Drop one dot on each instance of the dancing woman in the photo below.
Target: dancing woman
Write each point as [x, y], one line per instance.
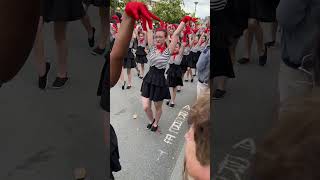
[141, 53]
[174, 77]
[154, 88]
[128, 63]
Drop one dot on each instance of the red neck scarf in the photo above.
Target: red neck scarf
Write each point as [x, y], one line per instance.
[161, 47]
[115, 28]
[174, 55]
[195, 43]
[141, 41]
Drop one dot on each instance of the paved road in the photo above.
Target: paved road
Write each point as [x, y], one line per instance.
[144, 154]
[44, 135]
[245, 115]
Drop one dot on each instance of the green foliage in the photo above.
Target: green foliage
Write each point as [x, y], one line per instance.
[169, 10]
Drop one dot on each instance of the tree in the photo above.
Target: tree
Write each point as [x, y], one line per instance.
[169, 11]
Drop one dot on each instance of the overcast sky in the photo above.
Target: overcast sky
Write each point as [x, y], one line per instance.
[203, 7]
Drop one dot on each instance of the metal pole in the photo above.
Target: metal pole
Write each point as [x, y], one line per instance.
[195, 7]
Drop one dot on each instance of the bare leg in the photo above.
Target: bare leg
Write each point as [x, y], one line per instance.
[85, 20]
[62, 49]
[221, 82]
[174, 93]
[146, 103]
[103, 31]
[129, 76]
[158, 107]
[232, 50]
[249, 37]
[190, 74]
[122, 76]
[274, 31]
[142, 70]
[259, 38]
[39, 50]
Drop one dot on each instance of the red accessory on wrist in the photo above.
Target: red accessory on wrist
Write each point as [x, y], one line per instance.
[186, 19]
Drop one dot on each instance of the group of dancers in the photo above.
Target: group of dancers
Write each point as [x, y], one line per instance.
[170, 49]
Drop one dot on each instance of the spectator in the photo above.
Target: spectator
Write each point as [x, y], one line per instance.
[292, 149]
[197, 150]
[297, 20]
[203, 68]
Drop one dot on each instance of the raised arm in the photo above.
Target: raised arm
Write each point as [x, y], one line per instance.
[176, 34]
[133, 11]
[149, 35]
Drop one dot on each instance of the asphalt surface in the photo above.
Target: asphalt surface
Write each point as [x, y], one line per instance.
[145, 154]
[44, 135]
[245, 115]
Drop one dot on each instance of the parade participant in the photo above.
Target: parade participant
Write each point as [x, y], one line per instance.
[222, 64]
[128, 63]
[141, 53]
[174, 73]
[186, 56]
[193, 56]
[102, 4]
[258, 13]
[60, 12]
[154, 86]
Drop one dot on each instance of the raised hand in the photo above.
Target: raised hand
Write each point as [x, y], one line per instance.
[186, 19]
[138, 10]
[116, 18]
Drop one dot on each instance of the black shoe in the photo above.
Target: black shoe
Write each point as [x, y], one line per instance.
[186, 80]
[179, 90]
[124, 83]
[98, 51]
[171, 105]
[168, 102]
[91, 40]
[154, 129]
[263, 58]
[59, 82]
[42, 83]
[128, 87]
[218, 94]
[243, 60]
[150, 125]
[192, 80]
[140, 77]
[270, 44]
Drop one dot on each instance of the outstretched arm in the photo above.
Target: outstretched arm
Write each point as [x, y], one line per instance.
[120, 48]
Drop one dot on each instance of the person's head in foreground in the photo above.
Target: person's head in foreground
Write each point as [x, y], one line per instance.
[292, 149]
[197, 150]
